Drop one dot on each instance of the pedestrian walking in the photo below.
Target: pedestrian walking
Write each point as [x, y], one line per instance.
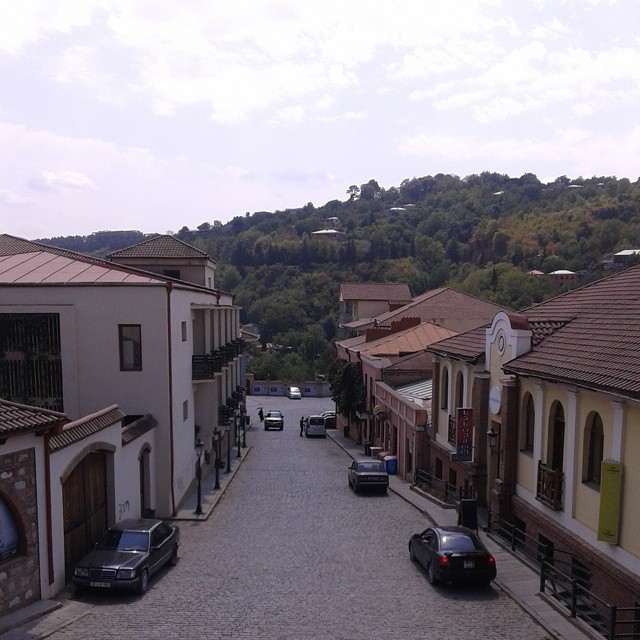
[260, 414]
[301, 425]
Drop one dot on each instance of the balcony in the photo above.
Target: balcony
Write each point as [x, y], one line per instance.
[205, 367]
[549, 489]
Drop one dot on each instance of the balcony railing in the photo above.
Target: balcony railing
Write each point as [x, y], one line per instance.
[452, 433]
[549, 489]
[206, 366]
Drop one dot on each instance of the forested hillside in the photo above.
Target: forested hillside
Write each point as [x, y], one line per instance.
[480, 234]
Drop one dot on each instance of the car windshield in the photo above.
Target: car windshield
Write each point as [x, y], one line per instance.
[370, 466]
[274, 414]
[125, 541]
[459, 542]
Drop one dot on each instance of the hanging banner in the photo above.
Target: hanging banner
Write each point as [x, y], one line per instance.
[464, 445]
[610, 484]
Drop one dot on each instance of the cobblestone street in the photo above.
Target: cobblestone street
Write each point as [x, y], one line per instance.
[290, 552]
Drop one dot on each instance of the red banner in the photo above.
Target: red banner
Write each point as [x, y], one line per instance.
[464, 439]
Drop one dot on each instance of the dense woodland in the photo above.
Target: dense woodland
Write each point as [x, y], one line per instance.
[481, 234]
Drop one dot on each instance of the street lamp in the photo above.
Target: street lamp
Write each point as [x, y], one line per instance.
[236, 419]
[199, 447]
[216, 434]
[492, 440]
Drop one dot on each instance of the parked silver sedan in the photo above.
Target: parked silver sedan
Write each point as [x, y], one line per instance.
[368, 474]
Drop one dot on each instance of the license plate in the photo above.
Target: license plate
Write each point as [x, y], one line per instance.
[468, 564]
[100, 584]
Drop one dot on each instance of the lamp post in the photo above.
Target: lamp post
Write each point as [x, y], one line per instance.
[243, 422]
[236, 419]
[228, 451]
[199, 447]
[216, 435]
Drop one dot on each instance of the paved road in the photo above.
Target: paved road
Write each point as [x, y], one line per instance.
[290, 552]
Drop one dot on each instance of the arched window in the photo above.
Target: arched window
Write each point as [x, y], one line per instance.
[593, 449]
[9, 537]
[527, 423]
[444, 389]
[555, 451]
[459, 390]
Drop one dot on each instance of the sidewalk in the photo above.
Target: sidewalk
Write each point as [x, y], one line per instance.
[515, 578]
[52, 615]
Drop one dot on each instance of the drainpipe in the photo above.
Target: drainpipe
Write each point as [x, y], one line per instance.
[47, 489]
[172, 460]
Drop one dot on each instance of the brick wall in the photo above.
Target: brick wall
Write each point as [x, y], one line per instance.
[610, 581]
[20, 575]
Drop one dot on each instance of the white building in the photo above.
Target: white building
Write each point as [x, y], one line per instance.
[140, 361]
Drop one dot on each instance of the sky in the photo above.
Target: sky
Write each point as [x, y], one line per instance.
[155, 115]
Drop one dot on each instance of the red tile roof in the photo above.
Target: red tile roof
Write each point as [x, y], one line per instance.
[86, 426]
[589, 337]
[392, 292]
[160, 247]
[446, 307]
[19, 418]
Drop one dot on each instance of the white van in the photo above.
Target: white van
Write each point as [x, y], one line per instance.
[314, 427]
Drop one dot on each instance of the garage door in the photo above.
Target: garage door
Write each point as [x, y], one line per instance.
[84, 496]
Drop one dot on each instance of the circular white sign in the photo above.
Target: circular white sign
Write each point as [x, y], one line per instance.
[495, 400]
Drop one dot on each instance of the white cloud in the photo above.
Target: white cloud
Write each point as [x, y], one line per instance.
[63, 181]
[15, 199]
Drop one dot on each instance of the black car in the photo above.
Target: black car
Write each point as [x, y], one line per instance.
[128, 554]
[368, 474]
[452, 554]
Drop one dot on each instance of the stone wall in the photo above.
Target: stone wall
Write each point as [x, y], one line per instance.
[20, 574]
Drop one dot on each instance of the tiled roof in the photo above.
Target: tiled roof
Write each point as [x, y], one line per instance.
[87, 426]
[19, 418]
[446, 307]
[420, 361]
[138, 428]
[393, 292]
[160, 247]
[589, 337]
[12, 245]
[465, 346]
[405, 342]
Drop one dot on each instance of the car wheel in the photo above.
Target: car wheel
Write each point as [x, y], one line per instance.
[355, 488]
[412, 553]
[144, 581]
[173, 560]
[281, 428]
[431, 574]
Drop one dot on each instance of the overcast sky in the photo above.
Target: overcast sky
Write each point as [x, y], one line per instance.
[153, 115]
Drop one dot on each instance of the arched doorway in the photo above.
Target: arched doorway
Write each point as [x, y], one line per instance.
[555, 451]
[84, 499]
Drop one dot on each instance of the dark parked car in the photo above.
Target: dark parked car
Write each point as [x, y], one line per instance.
[274, 420]
[452, 554]
[128, 554]
[368, 474]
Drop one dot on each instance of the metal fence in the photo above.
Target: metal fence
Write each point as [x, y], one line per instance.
[441, 488]
[565, 578]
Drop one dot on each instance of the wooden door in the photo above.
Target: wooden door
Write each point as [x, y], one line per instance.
[84, 498]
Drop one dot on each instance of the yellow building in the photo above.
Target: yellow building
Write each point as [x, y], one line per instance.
[552, 396]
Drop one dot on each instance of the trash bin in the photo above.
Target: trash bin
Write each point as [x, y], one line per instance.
[391, 464]
[346, 430]
[367, 448]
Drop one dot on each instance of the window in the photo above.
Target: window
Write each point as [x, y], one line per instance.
[185, 410]
[183, 328]
[444, 389]
[594, 449]
[9, 533]
[130, 347]
[528, 422]
[172, 273]
[459, 390]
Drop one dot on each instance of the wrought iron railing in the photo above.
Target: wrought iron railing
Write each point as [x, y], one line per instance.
[441, 488]
[549, 486]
